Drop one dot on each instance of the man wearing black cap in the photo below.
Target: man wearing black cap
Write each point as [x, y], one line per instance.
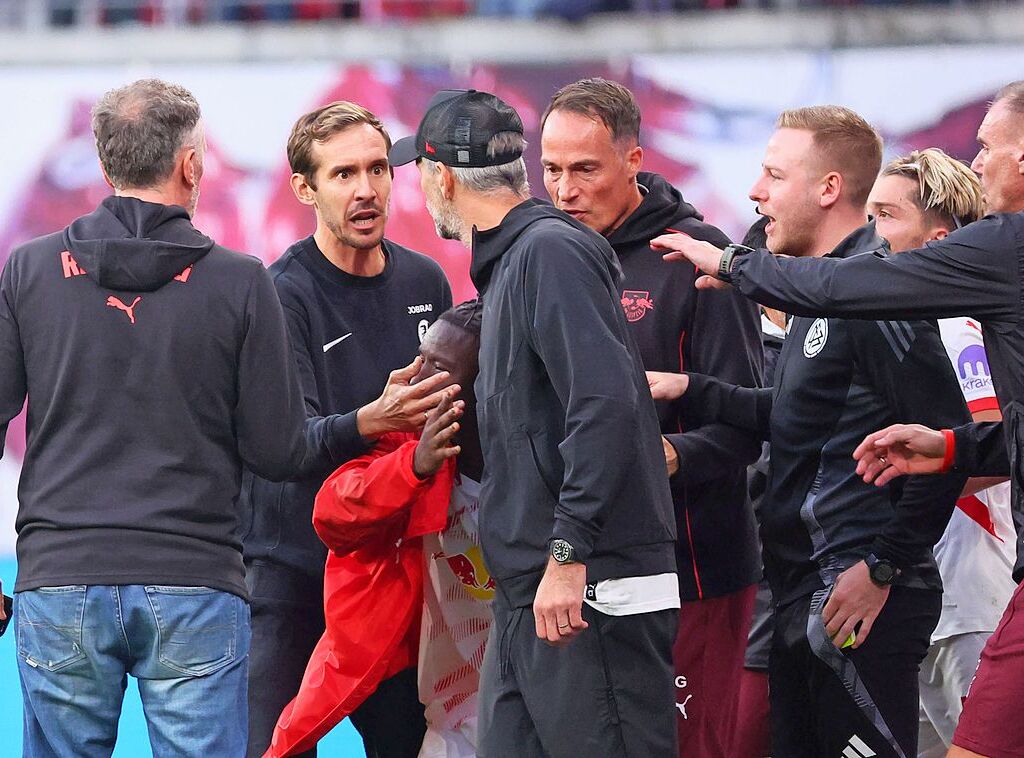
[576, 517]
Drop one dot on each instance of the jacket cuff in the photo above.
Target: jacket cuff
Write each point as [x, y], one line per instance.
[346, 442]
[950, 454]
[963, 441]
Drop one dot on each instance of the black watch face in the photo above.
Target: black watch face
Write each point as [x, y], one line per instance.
[883, 573]
[561, 551]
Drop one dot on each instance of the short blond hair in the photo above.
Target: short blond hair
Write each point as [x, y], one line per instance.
[847, 144]
[948, 188]
[319, 126]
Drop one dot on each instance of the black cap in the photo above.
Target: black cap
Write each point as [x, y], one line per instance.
[456, 128]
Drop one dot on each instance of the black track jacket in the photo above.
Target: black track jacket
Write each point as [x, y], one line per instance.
[567, 425]
[836, 382]
[680, 328]
[156, 364]
[977, 271]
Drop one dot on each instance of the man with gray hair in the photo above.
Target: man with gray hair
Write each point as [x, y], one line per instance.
[576, 518]
[156, 364]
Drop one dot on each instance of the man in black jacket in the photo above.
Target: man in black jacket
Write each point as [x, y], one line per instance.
[575, 513]
[591, 154]
[856, 589]
[156, 364]
[976, 271]
[356, 306]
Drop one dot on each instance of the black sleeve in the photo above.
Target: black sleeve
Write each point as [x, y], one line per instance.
[981, 449]
[907, 364]
[710, 401]
[268, 413]
[974, 272]
[13, 384]
[724, 341]
[576, 328]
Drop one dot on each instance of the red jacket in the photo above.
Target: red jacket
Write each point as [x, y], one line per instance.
[372, 513]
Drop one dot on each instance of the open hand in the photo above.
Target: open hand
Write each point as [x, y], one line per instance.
[705, 256]
[898, 450]
[402, 407]
[436, 444]
[558, 606]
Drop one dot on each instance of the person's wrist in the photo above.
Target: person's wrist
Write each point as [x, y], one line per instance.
[367, 421]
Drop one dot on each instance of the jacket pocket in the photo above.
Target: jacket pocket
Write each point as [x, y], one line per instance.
[198, 628]
[545, 477]
[49, 626]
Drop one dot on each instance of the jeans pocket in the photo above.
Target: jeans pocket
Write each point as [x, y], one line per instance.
[197, 627]
[49, 626]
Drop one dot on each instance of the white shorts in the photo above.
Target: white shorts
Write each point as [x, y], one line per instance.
[946, 675]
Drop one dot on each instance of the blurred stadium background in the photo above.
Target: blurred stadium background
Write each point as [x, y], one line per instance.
[710, 75]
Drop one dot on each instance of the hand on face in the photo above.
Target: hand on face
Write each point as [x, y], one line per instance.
[403, 406]
[436, 443]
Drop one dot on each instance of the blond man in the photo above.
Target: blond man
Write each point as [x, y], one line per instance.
[856, 589]
[356, 306]
[920, 198]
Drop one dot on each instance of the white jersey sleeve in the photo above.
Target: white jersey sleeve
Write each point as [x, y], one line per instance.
[966, 350]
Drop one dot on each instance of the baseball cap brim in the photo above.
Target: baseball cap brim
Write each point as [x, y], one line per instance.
[404, 151]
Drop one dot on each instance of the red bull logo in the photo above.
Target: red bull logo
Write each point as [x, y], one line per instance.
[636, 304]
[469, 569]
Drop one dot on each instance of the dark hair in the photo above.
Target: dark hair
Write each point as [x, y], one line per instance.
[600, 98]
[467, 316]
[140, 128]
[322, 124]
[1013, 95]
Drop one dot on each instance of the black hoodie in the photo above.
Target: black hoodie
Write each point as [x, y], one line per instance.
[677, 328]
[156, 363]
[567, 426]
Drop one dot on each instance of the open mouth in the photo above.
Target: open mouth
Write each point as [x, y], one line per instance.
[770, 225]
[364, 219]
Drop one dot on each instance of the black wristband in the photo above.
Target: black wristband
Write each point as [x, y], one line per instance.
[725, 264]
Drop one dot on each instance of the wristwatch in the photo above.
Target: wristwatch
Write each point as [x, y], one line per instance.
[725, 264]
[883, 572]
[562, 552]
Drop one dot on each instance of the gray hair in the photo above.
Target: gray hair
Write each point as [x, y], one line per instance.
[507, 176]
[1013, 95]
[140, 128]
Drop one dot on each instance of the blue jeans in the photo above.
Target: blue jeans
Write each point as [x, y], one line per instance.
[187, 646]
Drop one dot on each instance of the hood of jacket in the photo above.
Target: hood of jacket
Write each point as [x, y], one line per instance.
[129, 244]
[662, 208]
[490, 245]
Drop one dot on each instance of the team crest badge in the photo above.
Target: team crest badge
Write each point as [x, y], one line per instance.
[636, 304]
[816, 337]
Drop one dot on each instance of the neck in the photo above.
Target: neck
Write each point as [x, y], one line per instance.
[635, 198]
[484, 212]
[159, 195]
[839, 225]
[349, 259]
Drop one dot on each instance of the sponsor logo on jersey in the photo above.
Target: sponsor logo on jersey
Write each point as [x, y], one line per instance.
[636, 304]
[422, 308]
[816, 337]
[972, 365]
[469, 569]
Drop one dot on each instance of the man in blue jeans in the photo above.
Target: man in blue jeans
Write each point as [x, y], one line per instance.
[156, 365]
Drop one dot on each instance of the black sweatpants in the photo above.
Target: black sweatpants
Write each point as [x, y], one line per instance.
[863, 702]
[607, 693]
